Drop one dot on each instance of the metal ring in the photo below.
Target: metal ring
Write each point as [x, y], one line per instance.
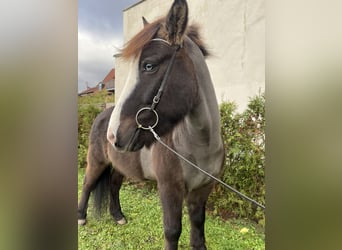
[148, 127]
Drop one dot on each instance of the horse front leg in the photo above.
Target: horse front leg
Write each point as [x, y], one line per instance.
[196, 202]
[171, 196]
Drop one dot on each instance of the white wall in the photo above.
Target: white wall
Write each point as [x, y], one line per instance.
[234, 31]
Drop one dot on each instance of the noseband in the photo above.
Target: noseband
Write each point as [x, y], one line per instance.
[157, 97]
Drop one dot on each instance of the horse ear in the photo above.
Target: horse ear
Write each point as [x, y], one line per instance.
[145, 22]
[176, 21]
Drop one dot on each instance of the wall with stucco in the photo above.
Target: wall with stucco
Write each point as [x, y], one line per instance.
[234, 31]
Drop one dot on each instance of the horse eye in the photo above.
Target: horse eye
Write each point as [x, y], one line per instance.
[149, 67]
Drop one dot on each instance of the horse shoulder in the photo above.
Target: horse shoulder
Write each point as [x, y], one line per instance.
[201, 146]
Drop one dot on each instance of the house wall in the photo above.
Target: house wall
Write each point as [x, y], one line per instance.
[234, 32]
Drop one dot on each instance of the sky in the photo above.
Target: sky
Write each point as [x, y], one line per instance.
[100, 34]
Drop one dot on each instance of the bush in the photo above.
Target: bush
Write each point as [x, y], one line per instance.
[244, 167]
[88, 108]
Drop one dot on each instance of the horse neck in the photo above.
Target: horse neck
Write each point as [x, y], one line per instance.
[203, 121]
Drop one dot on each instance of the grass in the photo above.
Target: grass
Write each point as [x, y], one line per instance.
[144, 229]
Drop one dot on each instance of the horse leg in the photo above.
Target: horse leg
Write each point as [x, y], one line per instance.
[93, 172]
[196, 201]
[171, 196]
[115, 207]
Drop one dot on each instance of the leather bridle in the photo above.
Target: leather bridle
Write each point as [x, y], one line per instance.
[157, 97]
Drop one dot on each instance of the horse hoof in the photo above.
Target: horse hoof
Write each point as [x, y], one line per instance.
[81, 222]
[122, 221]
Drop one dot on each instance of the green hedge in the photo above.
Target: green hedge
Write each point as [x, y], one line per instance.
[86, 116]
[88, 108]
[244, 168]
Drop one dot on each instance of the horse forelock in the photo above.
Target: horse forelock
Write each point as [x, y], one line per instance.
[140, 40]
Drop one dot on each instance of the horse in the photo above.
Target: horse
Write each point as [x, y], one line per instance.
[168, 95]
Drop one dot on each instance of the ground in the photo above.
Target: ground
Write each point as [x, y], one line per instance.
[144, 228]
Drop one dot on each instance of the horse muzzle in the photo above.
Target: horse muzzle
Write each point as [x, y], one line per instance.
[127, 143]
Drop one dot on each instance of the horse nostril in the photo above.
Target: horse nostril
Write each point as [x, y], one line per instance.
[111, 138]
[117, 145]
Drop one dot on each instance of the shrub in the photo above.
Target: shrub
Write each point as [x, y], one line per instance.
[244, 168]
[88, 108]
[97, 98]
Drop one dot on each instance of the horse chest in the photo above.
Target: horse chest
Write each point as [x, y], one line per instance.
[146, 163]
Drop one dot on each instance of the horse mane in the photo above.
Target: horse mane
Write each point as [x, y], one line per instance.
[134, 46]
[193, 33]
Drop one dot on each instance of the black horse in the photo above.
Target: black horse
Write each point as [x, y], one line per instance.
[168, 89]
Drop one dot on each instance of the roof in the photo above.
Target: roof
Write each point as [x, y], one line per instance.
[109, 76]
[89, 90]
[108, 83]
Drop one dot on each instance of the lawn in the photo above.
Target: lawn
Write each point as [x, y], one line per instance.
[144, 228]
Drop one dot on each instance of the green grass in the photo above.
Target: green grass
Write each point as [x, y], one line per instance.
[144, 229]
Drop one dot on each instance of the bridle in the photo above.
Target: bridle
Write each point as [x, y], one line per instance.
[157, 97]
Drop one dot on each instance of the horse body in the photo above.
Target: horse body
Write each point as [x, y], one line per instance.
[186, 118]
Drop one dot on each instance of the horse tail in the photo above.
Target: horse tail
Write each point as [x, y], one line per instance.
[101, 192]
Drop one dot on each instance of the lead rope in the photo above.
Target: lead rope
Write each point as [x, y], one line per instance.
[201, 170]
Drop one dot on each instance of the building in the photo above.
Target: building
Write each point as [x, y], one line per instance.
[234, 32]
[107, 83]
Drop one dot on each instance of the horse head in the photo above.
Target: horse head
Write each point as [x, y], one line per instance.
[161, 87]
